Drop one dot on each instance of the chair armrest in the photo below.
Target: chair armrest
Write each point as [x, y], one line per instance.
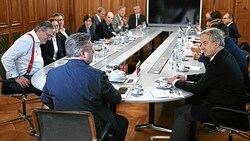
[220, 122]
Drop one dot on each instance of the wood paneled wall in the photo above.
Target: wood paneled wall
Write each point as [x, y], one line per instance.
[19, 16]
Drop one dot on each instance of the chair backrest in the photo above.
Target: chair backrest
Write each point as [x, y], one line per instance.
[3, 75]
[54, 125]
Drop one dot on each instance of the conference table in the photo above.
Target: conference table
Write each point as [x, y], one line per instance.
[158, 65]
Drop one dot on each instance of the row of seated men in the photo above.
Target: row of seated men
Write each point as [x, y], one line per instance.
[227, 19]
[50, 41]
[104, 25]
[78, 86]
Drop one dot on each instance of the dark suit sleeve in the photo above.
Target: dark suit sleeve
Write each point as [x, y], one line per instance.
[102, 31]
[45, 53]
[110, 94]
[142, 19]
[206, 82]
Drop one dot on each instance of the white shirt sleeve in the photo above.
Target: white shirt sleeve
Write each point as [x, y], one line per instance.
[18, 49]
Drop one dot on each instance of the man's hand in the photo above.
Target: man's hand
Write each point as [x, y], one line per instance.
[172, 79]
[22, 81]
[125, 21]
[139, 26]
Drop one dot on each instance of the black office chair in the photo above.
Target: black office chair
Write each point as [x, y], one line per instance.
[20, 95]
[237, 121]
[240, 124]
[54, 125]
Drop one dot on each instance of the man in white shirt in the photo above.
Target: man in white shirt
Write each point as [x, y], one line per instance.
[17, 58]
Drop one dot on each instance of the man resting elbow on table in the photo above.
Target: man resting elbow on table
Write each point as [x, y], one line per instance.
[76, 86]
[221, 85]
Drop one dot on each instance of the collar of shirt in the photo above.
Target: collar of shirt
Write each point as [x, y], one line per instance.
[214, 56]
[120, 17]
[64, 33]
[99, 18]
[33, 33]
[229, 24]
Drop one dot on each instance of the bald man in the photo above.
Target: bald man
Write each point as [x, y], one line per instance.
[104, 30]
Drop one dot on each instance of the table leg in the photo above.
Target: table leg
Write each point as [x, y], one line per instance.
[151, 124]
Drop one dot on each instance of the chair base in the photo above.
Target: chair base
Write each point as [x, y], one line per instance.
[154, 127]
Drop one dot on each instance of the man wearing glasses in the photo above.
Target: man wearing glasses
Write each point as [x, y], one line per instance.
[17, 58]
[64, 32]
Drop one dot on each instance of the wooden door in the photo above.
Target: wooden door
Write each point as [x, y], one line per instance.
[242, 19]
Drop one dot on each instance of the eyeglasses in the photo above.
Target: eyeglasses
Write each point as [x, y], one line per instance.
[89, 21]
[59, 19]
[49, 36]
[56, 25]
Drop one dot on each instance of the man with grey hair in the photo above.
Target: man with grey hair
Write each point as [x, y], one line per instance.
[99, 16]
[119, 22]
[221, 85]
[76, 86]
[17, 59]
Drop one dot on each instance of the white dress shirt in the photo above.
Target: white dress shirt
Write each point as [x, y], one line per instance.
[64, 33]
[55, 47]
[137, 16]
[17, 58]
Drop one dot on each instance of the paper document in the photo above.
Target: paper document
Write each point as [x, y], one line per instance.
[195, 68]
[156, 93]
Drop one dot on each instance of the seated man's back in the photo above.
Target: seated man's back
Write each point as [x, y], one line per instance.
[79, 87]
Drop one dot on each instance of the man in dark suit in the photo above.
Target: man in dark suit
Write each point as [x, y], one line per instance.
[231, 47]
[63, 32]
[221, 85]
[105, 29]
[232, 28]
[99, 16]
[76, 86]
[136, 19]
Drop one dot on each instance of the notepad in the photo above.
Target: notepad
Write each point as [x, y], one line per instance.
[195, 68]
[159, 93]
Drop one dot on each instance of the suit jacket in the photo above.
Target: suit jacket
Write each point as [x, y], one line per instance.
[132, 21]
[95, 22]
[238, 55]
[104, 31]
[76, 86]
[116, 22]
[48, 51]
[233, 32]
[221, 85]
[63, 39]
[93, 36]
